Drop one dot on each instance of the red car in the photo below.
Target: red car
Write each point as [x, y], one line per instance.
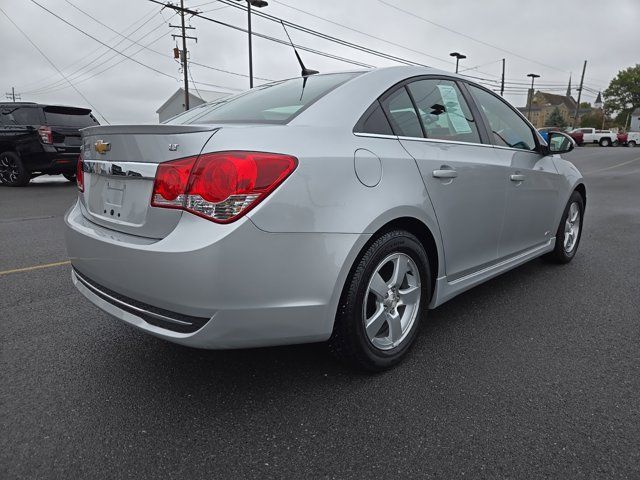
[577, 136]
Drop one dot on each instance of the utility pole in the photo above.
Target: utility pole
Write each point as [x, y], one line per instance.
[184, 37]
[257, 4]
[502, 81]
[575, 118]
[12, 96]
[533, 77]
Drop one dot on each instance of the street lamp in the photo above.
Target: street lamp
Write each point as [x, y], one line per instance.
[257, 4]
[459, 57]
[533, 77]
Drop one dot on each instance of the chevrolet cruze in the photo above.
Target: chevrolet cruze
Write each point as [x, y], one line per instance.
[338, 208]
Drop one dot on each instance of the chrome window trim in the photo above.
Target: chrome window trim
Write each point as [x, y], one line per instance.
[375, 135]
[437, 140]
[130, 170]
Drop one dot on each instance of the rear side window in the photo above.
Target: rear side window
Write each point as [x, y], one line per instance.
[374, 121]
[20, 116]
[443, 111]
[507, 127]
[277, 102]
[402, 115]
[69, 117]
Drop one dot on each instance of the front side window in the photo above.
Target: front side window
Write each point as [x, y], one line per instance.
[507, 127]
[402, 115]
[443, 111]
[276, 102]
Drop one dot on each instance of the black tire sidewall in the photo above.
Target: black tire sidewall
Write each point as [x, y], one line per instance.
[560, 252]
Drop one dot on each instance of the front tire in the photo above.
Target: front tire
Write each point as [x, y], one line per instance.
[12, 171]
[569, 231]
[631, 144]
[70, 176]
[382, 303]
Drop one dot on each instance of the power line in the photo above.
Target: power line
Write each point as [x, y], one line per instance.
[53, 65]
[153, 13]
[268, 37]
[101, 42]
[407, 12]
[94, 66]
[326, 37]
[280, 2]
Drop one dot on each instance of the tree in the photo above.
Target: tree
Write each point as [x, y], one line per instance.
[624, 91]
[585, 105]
[592, 120]
[555, 119]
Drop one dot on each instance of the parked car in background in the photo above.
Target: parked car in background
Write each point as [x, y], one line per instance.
[629, 139]
[604, 138]
[40, 139]
[318, 209]
[577, 136]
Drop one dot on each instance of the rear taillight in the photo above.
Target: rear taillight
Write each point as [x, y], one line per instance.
[222, 186]
[80, 174]
[45, 134]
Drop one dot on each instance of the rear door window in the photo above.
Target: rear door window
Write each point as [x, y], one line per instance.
[399, 109]
[443, 111]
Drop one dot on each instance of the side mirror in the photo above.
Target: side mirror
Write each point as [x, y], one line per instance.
[560, 142]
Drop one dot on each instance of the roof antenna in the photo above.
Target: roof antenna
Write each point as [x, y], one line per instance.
[305, 71]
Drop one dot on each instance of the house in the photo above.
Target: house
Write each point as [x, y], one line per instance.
[175, 104]
[635, 121]
[543, 104]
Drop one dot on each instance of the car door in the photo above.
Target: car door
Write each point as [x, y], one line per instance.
[462, 176]
[532, 181]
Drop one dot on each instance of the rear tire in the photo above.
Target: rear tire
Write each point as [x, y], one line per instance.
[605, 142]
[70, 176]
[382, 303]
[12, 171]
[569, 231]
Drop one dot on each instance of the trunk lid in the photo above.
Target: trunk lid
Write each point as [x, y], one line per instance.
[120, 163]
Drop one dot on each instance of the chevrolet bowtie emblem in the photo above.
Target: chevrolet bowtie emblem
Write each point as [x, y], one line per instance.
[102, 147]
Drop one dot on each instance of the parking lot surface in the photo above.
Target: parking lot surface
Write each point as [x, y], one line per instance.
[535, 374]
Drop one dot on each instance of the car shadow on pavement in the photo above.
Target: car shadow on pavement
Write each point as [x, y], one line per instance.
[158, 371]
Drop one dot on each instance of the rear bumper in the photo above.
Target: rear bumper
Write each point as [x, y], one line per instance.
[52, 161]
[250, 288]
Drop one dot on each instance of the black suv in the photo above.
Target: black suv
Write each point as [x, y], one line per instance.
[40, 139]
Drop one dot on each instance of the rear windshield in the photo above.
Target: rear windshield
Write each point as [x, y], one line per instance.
[69, 117]
[277, 102]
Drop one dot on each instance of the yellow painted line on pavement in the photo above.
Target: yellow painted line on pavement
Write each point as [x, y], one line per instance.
[35, 267]
[614, 166]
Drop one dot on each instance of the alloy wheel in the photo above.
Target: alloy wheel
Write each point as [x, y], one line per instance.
[572, 227]
[9, 170]
[392, 301]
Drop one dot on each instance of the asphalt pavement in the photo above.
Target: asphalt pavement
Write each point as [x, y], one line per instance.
[535, 374]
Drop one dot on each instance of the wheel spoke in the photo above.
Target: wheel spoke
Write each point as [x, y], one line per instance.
[575, 211]
[375, 323]
[395, 326]
[378, 286]
[400, 268]
[410, 295]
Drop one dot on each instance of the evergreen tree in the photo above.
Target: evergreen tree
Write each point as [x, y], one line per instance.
[555, 119]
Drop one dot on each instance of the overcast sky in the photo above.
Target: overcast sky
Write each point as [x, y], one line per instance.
[549, 37]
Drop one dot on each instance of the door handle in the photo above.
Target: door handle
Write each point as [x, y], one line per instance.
[445, 173]
[517, 178]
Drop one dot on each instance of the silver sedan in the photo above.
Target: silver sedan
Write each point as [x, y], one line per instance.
[337, 208]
